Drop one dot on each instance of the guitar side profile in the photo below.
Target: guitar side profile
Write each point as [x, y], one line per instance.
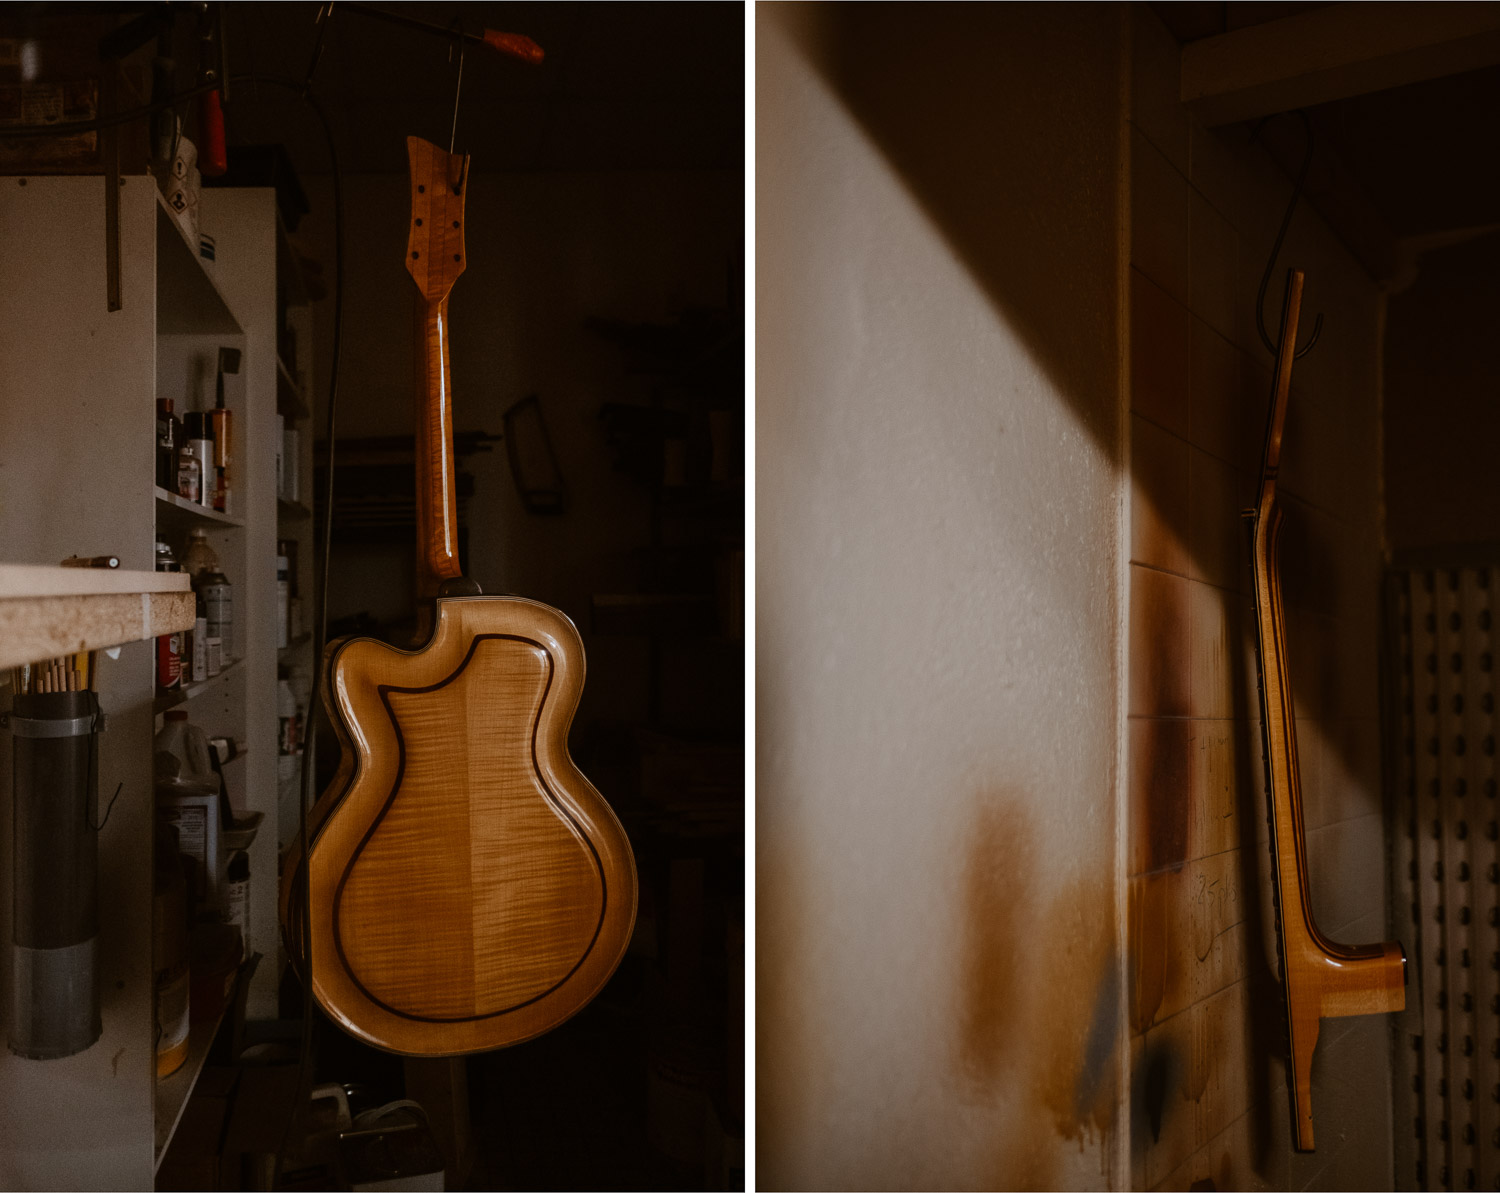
[1321, 978]
[469, 888]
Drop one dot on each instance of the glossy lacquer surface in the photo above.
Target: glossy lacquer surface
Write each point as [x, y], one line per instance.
[471, 889]
[1321, 977]
[435, 257]
[466, 886]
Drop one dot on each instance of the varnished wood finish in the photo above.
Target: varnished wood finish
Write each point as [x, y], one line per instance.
[435, 257]
[466, 887]
[471, 889]
[1321, 977]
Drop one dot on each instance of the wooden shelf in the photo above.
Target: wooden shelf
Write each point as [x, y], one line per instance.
[290, 403]
[189, 690]
[178, 512]
[50, 611]
[188, 301]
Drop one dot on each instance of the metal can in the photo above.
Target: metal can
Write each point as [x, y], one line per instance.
[168, 646]
[218, 603]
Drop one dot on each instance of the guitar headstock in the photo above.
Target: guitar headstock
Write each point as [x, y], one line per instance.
[435, 247]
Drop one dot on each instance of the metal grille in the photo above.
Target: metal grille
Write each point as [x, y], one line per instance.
[1446, 876]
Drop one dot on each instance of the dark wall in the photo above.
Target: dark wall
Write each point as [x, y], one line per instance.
[1442, 401]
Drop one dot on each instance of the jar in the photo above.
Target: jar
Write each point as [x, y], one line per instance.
[199, 556]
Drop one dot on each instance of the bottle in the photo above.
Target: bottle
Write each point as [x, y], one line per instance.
[167, 430]
[220, 417]
[199, 557]
[200, 641]
[218, 599]
[168, 646]
[189, 474]
[237, 895]
[183, 773]
[200, 444]
[283, 601]
[286, 718]
[169, 952]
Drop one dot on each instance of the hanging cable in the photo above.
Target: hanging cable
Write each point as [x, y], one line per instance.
[1286, 222]
[320, 623]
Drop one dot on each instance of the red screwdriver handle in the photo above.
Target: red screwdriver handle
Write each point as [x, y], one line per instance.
[517, 45]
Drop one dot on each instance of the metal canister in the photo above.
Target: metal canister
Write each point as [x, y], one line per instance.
[55, 935]
[218, 602]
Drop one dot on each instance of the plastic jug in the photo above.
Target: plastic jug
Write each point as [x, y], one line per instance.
[183, 766]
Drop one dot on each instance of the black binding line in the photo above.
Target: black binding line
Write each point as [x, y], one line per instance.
[338, 897]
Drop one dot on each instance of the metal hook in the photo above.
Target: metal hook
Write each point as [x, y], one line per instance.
[1286, 222]
[323, 20]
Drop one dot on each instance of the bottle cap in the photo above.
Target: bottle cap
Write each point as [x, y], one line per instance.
[199, 425]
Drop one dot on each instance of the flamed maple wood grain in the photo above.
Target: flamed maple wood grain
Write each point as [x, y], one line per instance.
[1322, 978]
[471, 889]
[435, 257]
[466, 887]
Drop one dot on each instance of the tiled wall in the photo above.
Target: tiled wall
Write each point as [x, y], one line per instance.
[1209, 1098]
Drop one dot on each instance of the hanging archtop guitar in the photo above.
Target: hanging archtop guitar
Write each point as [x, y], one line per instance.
[469, 887]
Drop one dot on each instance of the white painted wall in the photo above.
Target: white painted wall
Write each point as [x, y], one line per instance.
[937, 525]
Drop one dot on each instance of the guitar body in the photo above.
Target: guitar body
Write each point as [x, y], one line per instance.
[465, 886]
[470, 889]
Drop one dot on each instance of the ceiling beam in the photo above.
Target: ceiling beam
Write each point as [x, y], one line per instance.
[1333, 53]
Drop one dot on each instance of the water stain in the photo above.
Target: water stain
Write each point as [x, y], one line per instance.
[1072, 1033]
[1153, 1081]
[996, 894]
[1162, 777]
[1148, 947]
[1038, 996]
[788, 1057]
[1095, 1072]
[1161, 672]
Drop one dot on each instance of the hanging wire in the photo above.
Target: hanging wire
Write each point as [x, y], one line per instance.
[1286, 222]
[303, 90]
[459, 86]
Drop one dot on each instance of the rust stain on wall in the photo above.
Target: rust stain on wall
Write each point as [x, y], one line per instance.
[996, 906]
[1073, 1034]
[1039, 994]
[1148, 951]
[1161, 791]
[788, 1055]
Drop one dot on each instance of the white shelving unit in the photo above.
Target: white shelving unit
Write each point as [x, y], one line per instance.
[77, 468]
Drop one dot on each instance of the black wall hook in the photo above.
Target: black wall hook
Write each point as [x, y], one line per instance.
[1286, 222]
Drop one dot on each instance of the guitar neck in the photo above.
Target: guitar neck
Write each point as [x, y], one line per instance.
[435, 257]
[437, 495]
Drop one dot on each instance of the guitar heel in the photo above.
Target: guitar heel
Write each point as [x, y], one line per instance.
[1333, 981]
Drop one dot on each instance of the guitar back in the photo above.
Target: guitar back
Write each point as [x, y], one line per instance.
[471, 889]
